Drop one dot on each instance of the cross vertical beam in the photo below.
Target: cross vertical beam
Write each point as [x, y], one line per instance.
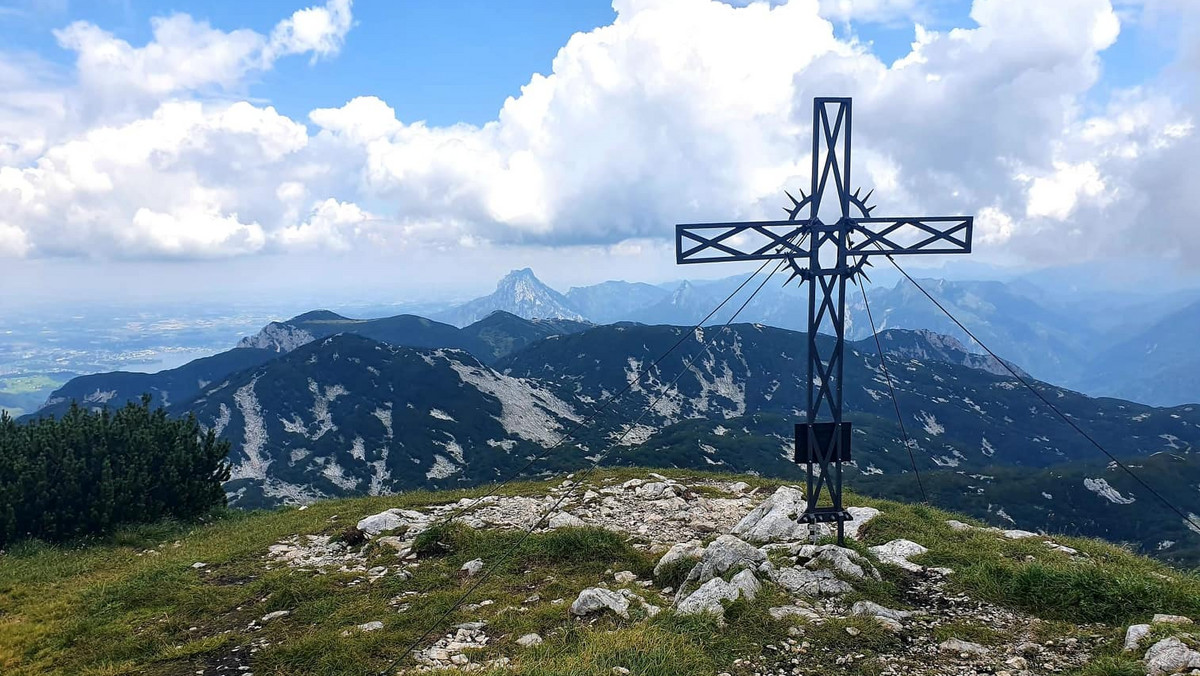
[825, 256]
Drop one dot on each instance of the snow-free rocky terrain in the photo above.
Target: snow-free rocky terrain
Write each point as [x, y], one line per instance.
[877, 606]
[637, 571]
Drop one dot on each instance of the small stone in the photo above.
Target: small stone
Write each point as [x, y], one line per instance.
[472, 567]
[1170, 619]
[853, 631]
[198, 565]
[596, 599]
[955, 645]
[620, 671]
[624, 576]
[1019, 663]
[275, 615]
[529, 640]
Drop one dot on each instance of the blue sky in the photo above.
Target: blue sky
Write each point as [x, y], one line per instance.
[444, 61]
[252, 139]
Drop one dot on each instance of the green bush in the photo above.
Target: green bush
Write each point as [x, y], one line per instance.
[88, 472]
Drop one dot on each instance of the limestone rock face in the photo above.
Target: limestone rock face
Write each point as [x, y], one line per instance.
[597, 599]
[776, 519]
[1170, 656]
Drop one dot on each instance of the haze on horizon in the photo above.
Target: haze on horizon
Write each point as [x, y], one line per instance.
[404, 151]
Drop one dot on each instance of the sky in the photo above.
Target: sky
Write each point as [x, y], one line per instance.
[402, 150]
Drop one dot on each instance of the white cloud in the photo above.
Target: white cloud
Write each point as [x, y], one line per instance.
[680, 110]
[187, 55]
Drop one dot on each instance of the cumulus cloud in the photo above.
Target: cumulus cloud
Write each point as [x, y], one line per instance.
[680, 110]
[188, 55]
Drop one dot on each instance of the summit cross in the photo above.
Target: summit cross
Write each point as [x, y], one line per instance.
[825, 255]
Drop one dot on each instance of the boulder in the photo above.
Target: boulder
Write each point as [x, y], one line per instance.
[776, 519]
[597, 599]
[683, 550]
[1170, 656]
[862, 516]
[1134, 635]
[471, 568]
[708, 598]
[390, 520]
[843, 560]
[959, 525]
[724, 554]
[809, 583]
[747, 583]
[898, 552]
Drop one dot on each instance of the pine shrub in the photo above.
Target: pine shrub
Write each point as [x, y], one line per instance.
[90, 471]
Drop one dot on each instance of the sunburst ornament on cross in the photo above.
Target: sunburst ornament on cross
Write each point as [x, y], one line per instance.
[825, 255]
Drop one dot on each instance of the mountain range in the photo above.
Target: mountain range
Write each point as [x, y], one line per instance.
[324, 405]
[1113, 344]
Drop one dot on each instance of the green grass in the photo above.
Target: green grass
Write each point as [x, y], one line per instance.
[111, 606]
[1111, 585]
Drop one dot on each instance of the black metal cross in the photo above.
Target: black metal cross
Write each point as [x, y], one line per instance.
[826, 256]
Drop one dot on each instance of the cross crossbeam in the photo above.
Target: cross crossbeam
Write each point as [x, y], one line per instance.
[826, 255]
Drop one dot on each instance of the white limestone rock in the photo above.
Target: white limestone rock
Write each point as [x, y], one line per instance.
[708, 598]
[843, 560]
[597, 599]
[684, 550]
[870, 609]
[1170, 656]
[724, 554]
[959, 525]
[809, 583]
[862, 516]
[776, 519]
[782, 612]
[529, 640]
[959, 646]
[1134, 635]
[1016, 534]
[472, 567]
[898, 552]
[1161, 618]
[391, 520]
[565, 520]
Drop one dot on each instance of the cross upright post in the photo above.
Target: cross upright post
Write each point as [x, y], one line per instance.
[825, 255]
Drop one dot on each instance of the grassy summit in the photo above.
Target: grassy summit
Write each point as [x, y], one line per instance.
[140, 602]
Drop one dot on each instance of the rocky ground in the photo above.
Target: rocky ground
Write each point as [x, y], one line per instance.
[720, 542]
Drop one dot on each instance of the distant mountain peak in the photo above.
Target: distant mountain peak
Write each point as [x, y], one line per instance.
[520, 293]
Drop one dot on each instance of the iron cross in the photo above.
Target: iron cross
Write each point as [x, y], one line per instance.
[825, 255]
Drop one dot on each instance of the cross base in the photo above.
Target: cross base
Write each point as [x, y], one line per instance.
[825, 515]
